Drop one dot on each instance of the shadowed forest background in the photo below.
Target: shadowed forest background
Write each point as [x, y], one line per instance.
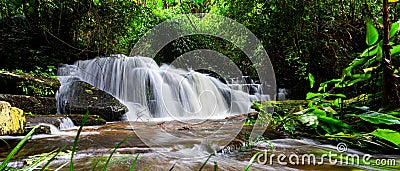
[319, 37]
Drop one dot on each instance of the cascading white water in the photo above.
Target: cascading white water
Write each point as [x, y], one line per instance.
[66, 123]
[150, 91]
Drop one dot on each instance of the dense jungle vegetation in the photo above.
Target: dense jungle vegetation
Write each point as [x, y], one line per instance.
[301, 37]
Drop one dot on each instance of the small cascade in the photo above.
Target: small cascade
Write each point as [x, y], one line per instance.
[53, 129]
[66, 123]
[282, 94]
[248, 86]
[150, 91]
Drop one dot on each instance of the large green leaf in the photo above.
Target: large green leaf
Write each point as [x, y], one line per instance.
[370, 62]
[335, 124]
[388, 135]
[371, 51]
[395, 50]
[379, 118]
[323, 85]
[356, 62]
[311, 95]
[318, 112]
[394, 29]
[372, 34]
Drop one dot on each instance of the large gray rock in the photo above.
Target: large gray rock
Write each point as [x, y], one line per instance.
[83, 97]
[12, 119]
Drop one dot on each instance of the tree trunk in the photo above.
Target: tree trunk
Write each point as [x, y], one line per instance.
[390, 96]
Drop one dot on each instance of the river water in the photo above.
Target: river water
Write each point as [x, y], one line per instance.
[187, 148]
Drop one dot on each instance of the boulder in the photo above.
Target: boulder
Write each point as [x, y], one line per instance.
[12, 119]
[82, 97]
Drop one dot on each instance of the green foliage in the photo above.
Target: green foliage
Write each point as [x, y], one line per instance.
[378, 118]
[301, 36]
[311, 79]
[388, 135]
[372, 34]
[38, 82]
[369, 60]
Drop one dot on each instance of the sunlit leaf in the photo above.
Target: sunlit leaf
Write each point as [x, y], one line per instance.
[369, 69]
[326, 83]
[334, 122]
[388, 135]
[311, 95]
[370, 51]
[369, 62]
[96, 2]
[336, 102]
[372, 34]
[379, 118]
[312, 81]
[319, 112]
[395, 50]
[394, 29]
[393, 0]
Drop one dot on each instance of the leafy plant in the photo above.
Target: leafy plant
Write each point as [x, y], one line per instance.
[368, 61]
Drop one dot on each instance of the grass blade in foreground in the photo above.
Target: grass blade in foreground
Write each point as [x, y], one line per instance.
[5, 142]
[172, 167]
[115, 148]
[53, 157]
[38, 161]
[16, 148]
[204, 164]
[71, 164]
[251, 161]
[134, 163]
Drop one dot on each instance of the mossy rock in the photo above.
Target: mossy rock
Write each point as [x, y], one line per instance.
[31, 104]
[12, 119]
[284, 106]
[12, 83]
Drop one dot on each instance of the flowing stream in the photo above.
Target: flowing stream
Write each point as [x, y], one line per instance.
[96, 143]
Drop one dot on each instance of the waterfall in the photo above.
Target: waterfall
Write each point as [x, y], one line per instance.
[152, 91]
[66, 123]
